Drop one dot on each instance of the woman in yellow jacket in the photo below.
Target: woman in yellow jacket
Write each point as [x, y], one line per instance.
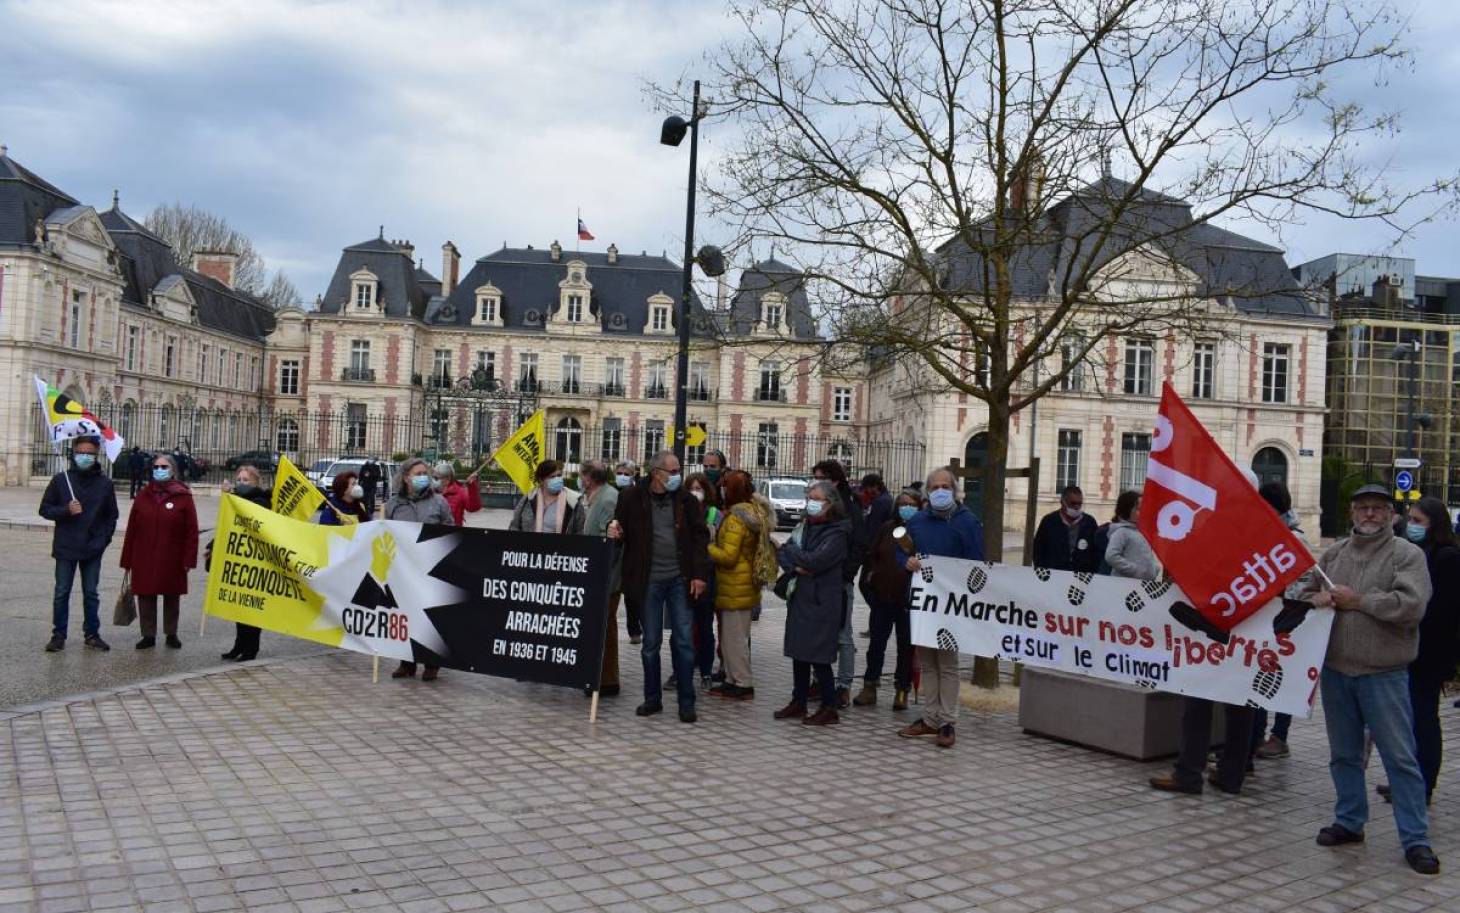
[744, 524]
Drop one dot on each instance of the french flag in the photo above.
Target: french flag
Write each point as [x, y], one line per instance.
[583, 233]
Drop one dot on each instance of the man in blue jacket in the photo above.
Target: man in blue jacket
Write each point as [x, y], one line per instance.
[948, 529]
[83, 505]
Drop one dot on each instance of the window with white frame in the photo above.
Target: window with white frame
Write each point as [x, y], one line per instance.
[1140, 364]
[218, 368]
[659, 319]
[527, 372]
[73, 328]
[653, 439]
[134, 337]
[487, 362]
[1275, 357]
[699, 381]
[289, 377]
[613, 439]
[767, 445]
[1135, 450]
[486, 308]
[658, 385]
[360, 359]
[1067, 462]
[169, 357]
[355, 424]
[572, 373]
[1072, 364]
[364, 294]
[841, 404]
[441, 368]
[770, 381]
[288, 437]
[203, 354]
[1204, 370]
[575, 309]
[253, 372]
[773, 311]
[613, 376]
[237, 369]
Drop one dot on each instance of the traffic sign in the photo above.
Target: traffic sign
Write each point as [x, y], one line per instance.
[1403, 480]
[694, 435]
[1407, 463]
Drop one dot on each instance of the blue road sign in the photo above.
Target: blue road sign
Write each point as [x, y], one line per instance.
[1403, 480]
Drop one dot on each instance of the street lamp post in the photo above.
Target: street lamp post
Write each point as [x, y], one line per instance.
[711, 260]
[1414, 420]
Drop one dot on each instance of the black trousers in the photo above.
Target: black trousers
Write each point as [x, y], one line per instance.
[887, 618]
[801, 682]
[245, 639]
[1429, 744]
[1196, 740]
[633, 616]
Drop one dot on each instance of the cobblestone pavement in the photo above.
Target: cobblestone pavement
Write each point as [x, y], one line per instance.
[296, 785]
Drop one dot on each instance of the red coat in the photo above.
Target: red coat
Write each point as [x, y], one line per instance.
[463, 499]
[162, 540]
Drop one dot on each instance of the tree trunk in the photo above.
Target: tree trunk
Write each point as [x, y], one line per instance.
[986, 668]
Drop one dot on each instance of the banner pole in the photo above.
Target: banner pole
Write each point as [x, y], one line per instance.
[202, 622]
[1326, 578]
[375, 671]
[593, 709]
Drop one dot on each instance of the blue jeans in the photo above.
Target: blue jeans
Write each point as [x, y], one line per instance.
[1380, 703]
[667, 602]
[90, 600]
[846, 654]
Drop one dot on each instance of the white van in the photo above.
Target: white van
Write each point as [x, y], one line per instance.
[788, 497]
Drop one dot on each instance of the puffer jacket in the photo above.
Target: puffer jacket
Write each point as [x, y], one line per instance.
[427, 507]
[734, 550]
[1129, 554]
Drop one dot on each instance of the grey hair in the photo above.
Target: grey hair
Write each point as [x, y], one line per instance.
[941, 471]
[833, 497]
[658, 461]
[250, 469]
[171, 461]
[627, 467]
[444, 470]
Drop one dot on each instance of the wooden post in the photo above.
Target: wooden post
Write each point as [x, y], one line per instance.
[593, 709]
[375, 671]
[202, 623]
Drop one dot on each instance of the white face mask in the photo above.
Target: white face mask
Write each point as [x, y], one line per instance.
[357, 492]
[699, 495]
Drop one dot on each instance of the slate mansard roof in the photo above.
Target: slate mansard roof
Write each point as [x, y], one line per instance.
[26, 198]
[400, 289]
[1253, 273]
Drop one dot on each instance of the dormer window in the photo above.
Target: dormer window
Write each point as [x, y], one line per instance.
[773, 315]
[773, 312]
[575, 308]
[363, 285]
[489, 306]
[659, 322]
[660, 315]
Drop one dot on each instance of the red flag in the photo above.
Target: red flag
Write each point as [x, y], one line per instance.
[583, 233]
[1221, 542]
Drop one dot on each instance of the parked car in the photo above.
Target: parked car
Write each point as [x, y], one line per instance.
[787, 497]
[355, 464]
[317, 469]
[264, 460]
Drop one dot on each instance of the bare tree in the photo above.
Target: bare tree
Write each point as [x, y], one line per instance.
[281, 292]
[903, 153]
[189, 229]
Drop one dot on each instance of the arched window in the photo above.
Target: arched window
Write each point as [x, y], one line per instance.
[975, 456]
[1270, 465]
[569, 440]
[841, 451]
[129, 419]
[165, 428]
[288, 435]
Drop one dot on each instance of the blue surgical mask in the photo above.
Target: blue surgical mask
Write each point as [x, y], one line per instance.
[421, 482]
[906, 512]
[1414, 532]
[814, 508]
[673, 482]
[84, 460]
[940, 498]
[161, 473]
[623, 481]
[555, 485]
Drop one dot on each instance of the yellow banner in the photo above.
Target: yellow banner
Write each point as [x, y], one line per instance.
[294, 495]
[521, 453]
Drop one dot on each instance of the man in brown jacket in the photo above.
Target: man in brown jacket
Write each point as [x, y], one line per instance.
[1380, 588]
[666, 559]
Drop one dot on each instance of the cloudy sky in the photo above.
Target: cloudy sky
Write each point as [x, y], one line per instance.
[310, 124]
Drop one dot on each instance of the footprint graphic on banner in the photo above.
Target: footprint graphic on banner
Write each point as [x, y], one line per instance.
[946, 640]
[925, 571]
[977, 578]
[1267, 683]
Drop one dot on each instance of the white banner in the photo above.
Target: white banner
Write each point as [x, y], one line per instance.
[1115, 628]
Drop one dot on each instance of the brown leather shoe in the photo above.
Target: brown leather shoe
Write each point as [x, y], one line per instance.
[792, 711]
[826, 716]
[404, 670]
[429, 675]
[899, 699]
[1169, 784]
[867, 697]
[917, 730]
[945, 737]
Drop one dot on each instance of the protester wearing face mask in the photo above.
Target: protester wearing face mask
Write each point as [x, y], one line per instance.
[1065, 540]
[707, 493]
[344, 503]
[715, 466]
[886, 588]
[945, 528]
[464, 499]
[1428, 526]
[551, 507]
[666, 562]
[625, 474]
[82, 504]
[160, 547]
[247, 484]
[816, 608]
[415, 501]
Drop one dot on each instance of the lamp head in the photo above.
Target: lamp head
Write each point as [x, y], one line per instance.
[673, 131]
[711, 259]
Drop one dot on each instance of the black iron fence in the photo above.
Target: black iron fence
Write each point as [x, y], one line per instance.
[211, 444]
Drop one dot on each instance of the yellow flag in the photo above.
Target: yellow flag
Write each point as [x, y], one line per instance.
[521, 453]
[294, 495]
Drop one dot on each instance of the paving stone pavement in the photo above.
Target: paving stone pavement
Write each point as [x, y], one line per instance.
[296, 785]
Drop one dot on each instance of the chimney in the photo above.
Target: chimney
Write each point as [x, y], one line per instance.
[450, 268]
[612, 254]
[557, 251]
[722, 293]
[218, 264]
[407, 248]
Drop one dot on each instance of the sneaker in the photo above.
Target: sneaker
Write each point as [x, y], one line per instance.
[945, 737]
[867, 697]
[826, 716]
[173, 642]
[146, 643]
[792, 711]
[687, 715]
[706, 683]
[56, 645]
[1169, 784]
[1274, 747]
[1337, 835]
[917, 730]
[648, 709]
[95, 642]
[899, 699]
[843, 698]
[1423, 860]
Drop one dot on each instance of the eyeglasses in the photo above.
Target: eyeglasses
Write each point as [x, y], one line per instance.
[1371, 508]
